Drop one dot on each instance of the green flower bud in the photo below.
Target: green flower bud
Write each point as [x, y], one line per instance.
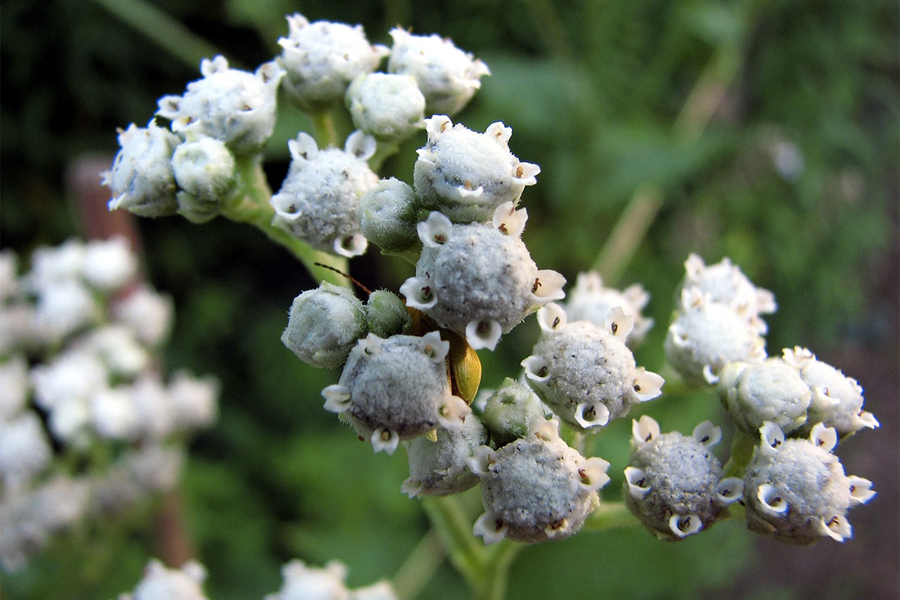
[509, 412]
[387, 215]
[438, 467]
[386, 314]
[324, 325]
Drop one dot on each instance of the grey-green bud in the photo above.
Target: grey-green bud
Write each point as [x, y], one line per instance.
[387, 215]
[510, 411]
[386, 314]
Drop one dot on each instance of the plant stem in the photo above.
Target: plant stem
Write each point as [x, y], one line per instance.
[742, 447]
[419, 567]
[323, 130]
[250, 204]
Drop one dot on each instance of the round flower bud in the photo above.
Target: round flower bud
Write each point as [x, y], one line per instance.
[586, 374]
[726, 283]
[706, 335]
[837, 400]
[386, 106]
[536, 488]
[795, 490]
[440, 467]
[204, 169]
[674, 483]
[24, 450]
[446, 75]
[302, 582]
[109, 265]
[772, 390]
[233, 106]
[160, 583]
[141, 177]
[396, 389]
[320, 60]
[324, 325]
[319, 199]
[510, 411]
[388, 215]
[386, 314]
[479, 280]
[591, 301]
[466, 175]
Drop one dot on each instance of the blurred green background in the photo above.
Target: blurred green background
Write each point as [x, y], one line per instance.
[766, 131]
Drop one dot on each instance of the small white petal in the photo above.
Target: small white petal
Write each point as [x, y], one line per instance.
[593, 473]
[360, 145]
[618, 323]
[481, 460]
[536, 369]
[436, 348]
[823, 437]
[490, 527]
[771, 499]
[526, 173]
[465, 191]
[685, 525]
[547, 430]
[303, 148]
[337, 398]
[509, 220]
[548, 286]
[591, 415]
[708, 374]
[483, 333]
[557, 528]
[647, 385]
[644, 429]
[836, 527]
[410, 487]
[453, 412]
[637, 483]
[435, 230]
[730, 489]
[771, 437]
[436, 125]
[351, 245]
[499, 132]
[707, 434]
[860, 489]
[385, 440]
[418, 293]
[551, 316]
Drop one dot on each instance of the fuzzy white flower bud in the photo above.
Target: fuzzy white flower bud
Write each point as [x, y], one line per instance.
[796, 491]
[147, 313]
[478, 280]
[440, 467]
[109, 265]
[386, 314]
[510, 411]
[466, 175]
[324, 325]
[194, 400]
[62, 309]
[141, 177]
[386, 106]
[586, 374]
[14, 386]
[536, 488]
[204, 170]
[591, 301]
[396, 389]
[771, 390]
[230, 105]
[726, 283]
[320, 60]
[302, 582]
[24, 450]
[674, 483]
[160, 583]
[387, 215]
[447, 76]
[319, 199]
[705, 335]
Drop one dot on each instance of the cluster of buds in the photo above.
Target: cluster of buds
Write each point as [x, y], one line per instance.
[300, 582]
[77, 371]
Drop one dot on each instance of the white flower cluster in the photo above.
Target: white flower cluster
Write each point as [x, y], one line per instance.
[77, 371]
[300, 582]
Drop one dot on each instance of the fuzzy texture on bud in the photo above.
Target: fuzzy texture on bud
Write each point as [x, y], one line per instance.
[319, 199]
[837, 400]
[586, 374]
[320, 60]
[466, 175]
[479, 280]
[725, 282]
[324, 325]
[141, 178]
[386, 314]
[438, 467]
[706, 335]
[388, 214]
[591, 301]
[233, 106]
[510, 411]
[446, 75]
[673, 483]
[386, 106]
[396, 389]
[768, 391]
[204, 169]
[796, 491]
[536, 488]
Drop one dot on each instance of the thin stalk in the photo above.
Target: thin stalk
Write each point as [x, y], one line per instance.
[250, 204]
[167, 32]
[323, 130]
[420, 566]
[742, 447]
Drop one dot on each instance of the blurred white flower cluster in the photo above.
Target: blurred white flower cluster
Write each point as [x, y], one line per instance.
[78, 372]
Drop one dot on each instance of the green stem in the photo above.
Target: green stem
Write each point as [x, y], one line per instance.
[419, 567]
[250, 204]
[610, 515]
[323, 130]
[742, 447]
[170, 34]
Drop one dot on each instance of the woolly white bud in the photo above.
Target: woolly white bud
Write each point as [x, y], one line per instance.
[141, 178]
[389, 107]
[591, 301]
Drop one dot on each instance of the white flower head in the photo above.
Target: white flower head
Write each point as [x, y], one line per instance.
[154, 467]
[536, 488]
[447, 76]
[14, 386]
[194, 400]
[510, 410]
[161, 583]
[796, 491]
[51, 265]
[387, 106]
[24, 450]
[465, 174]
[585, 373]
[233, 106]
[319, 199]
[63, 308]
[109, 265]
[114, 414]
[396, 389]
[591, 301]
[705, 335]
[320, 60]
[205, 172]
[73, 375]
[303, 582]
[725, 282]
[141, 177]
[476, 280]
[673, 483]
[147, 313]
[119, 349]
[440, 467]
